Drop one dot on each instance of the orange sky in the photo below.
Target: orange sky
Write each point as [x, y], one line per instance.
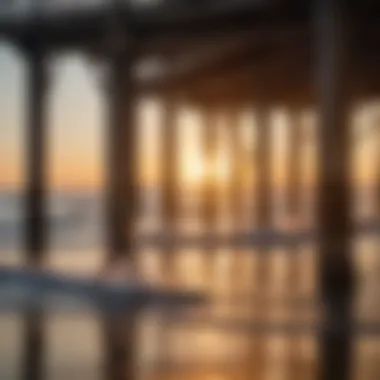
[77, 134]
[76, 157]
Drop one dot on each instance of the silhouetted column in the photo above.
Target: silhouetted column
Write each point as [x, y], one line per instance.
[236, 192]
[263, 185]
[35, 208]
[210, 181]
[293, 196]
[35, 200]
[295, 142]
[170, 191]
[210, 186]
[120, 211]
[122, 161]
[263, 168]
[335, 265]
[377, 179]
[170, 162]
[121, 189]
[294, 359]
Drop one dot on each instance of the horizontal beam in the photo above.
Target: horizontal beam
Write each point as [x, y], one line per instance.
[269, 238]
[164, 25]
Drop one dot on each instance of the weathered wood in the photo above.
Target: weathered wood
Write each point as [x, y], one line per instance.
[35, 208]
[294, 160]
[121, 189]
[377, 160]
[262, 167]
[334, 222]
[121, 164]
[35, 200]
[236, 175]
[262, 269]
[170, 179]
[209, 194]
[169, 162]
[282, 63]
[75, 28]
[263, 192]
[209, 182]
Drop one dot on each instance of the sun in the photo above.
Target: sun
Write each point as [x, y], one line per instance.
[197, 170]
[193, 170]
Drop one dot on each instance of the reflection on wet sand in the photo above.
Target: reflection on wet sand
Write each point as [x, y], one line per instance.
[192, 343]
[217, 341]
[233, 337]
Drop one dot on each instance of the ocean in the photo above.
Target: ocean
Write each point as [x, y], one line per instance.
[215, 342]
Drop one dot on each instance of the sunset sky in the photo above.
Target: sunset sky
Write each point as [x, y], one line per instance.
[76, 130]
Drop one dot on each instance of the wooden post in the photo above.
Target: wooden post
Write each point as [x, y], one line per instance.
[236, 168]
[35, 226]
[121, 184]
[35, 201]
[121, 202]
[170, 191]
[119, 331]
[263, 189]
[294, 191]
[293, 197]
[263, 168]
[121, 206]
[294, 265]
[377, 159]
[335, 262]
[210, 186]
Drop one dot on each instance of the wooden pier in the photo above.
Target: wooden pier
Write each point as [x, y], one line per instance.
[220, 57]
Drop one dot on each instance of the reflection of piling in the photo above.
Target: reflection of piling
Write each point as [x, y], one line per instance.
[35, 226]
[336, 269]
[120, 342]
[34, 344]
